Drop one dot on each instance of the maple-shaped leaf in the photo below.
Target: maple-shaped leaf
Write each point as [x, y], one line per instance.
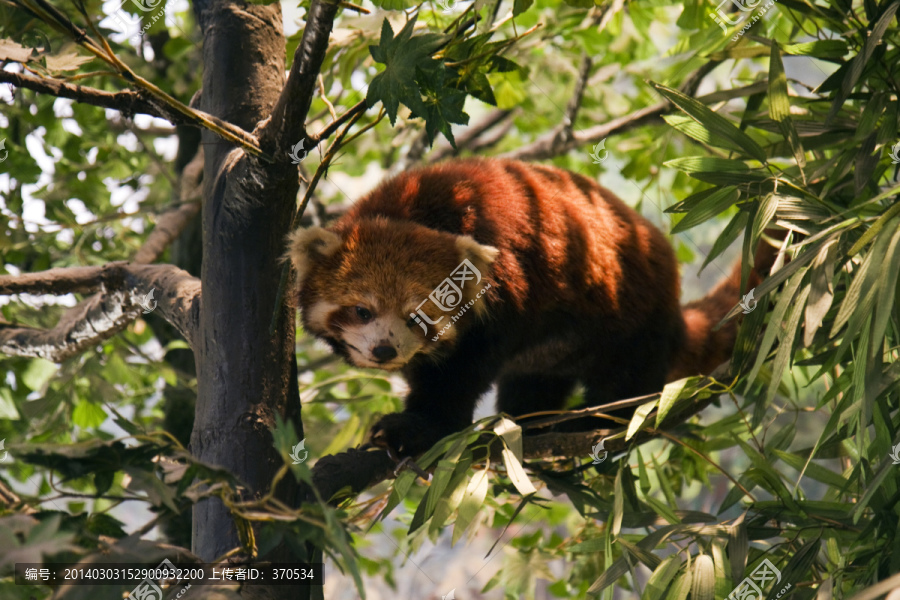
[442, 106]
[403, 56]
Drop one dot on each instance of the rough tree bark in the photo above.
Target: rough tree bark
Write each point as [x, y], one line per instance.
[245, 374]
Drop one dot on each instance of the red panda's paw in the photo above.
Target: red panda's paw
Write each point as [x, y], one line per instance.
[405, 434]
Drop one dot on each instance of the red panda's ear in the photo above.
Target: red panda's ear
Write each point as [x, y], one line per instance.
[480, 255]
[306, 246]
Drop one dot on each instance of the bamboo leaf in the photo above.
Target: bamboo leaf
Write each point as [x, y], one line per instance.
[726, 238]
[775, 322]
[872, 231]
[814, 470]
[780, 106]
[887, 278]
[691, 164]
[767, 209]
[670, 394]
[821, 293]
[516, 473]
[723, 131]
[853, 73]
[703, 582]
[711, 206]
[661, 577]
[475, 493]
[638, 419]
[738, 545]
[786, 344]
[643, 556]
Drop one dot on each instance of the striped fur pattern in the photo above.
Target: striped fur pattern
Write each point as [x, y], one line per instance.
[576, 288]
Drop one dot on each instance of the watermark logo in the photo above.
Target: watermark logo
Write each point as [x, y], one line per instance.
[596, 450]
[296, 450]
[146, 5]
[446, 6]
[748, 303]
[723, 20]
[451, 595]
[895, 153]
[721, 17]
[129, 24]
[751, 587]
[148, 303]
[296, 154]
[3, 149]
[895, 454]
[148, 590]
[4, 453]
[448, 295]
[598, 148]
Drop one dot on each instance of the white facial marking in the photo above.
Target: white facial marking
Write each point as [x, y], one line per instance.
[387, 330]
[318, 314]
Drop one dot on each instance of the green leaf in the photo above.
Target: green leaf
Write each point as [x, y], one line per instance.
[780, 105]
[87, 414]
[471, 503]
[711, 206]
[821, 293]
[520, 6]
[103, 480]
[670, 394]
[786, 345]
[767, 209]
[509, 88]
[452, 496]
[646, 558]
[38, 373]
[818, 49]
[798, 566]
[393, 4]
[8, 408]
[691, 164]
[404, 56]
[887, 279]
[726, 238]
[814, 470]
[661, 577]
[639, 418]
[859, 62]
[872, 231]
[516, 473]
[731, 178]
[703, 582]
[723, 131]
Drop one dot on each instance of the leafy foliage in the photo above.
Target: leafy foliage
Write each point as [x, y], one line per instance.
[795, 130]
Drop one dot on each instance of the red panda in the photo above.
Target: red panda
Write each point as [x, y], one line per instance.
[481, 271]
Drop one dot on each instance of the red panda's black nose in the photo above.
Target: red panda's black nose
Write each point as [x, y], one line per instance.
[384, 353]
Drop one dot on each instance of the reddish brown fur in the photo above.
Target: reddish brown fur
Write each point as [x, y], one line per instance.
[583, 289]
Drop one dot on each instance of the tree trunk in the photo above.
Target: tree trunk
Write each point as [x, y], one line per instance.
[244, 373]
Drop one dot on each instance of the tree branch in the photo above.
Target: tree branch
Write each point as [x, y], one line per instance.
[471, 137]
[336, 124]
[360, 468]
[172, 222]
[549, 145]
[287, 124]
[128, 102]
[123, 289]
[163, 102]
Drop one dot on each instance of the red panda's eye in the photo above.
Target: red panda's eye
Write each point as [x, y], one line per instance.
[412, 321]
[363, 313]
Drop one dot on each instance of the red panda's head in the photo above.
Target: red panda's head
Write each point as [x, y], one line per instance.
[381, 291]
